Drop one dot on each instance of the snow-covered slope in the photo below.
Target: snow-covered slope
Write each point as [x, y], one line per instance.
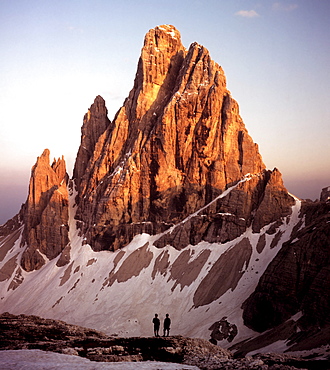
[119, 292]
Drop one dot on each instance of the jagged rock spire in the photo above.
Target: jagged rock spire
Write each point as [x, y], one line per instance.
[94, 124]
[45, 212]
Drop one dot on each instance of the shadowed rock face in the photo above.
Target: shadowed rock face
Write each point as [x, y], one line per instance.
[45, 213]
[176, 144]
[325, 194]
[298, 279]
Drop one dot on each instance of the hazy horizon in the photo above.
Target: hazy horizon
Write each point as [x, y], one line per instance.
[57, 57]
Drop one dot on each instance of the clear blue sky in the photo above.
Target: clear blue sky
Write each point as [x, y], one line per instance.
[56, 56]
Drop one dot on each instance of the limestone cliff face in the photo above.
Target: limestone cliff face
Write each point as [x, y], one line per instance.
[45, 212]
[176, 144]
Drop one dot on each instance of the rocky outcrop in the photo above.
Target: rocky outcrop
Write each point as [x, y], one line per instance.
[45, 213]
[298, 279]
[95, 122]
[32, 332]
[176, 144]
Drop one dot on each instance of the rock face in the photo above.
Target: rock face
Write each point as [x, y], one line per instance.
[254, 203]
[303, 284]
[45, 213]
[94, 124]
[176, 144]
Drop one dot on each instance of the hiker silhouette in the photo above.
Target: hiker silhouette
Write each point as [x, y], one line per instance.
[167, 325]
[156, 323]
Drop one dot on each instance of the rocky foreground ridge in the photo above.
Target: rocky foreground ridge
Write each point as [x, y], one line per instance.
[32, 332]
[170, 207]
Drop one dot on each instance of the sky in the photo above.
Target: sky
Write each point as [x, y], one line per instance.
[57, 56]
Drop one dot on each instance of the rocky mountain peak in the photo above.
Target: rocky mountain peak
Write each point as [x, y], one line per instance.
[176, 144]
[94, 124]
[161, 59]
[45, 212]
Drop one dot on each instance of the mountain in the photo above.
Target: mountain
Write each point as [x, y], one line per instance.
[171, 209]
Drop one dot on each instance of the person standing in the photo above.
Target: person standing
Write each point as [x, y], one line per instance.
[156, 323]
[167, 325]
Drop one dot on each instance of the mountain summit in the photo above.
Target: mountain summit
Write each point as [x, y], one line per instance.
[176, 144]
[171, 209]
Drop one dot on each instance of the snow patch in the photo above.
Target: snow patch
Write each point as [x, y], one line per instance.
[35, 359]
[169, 32]
[276, 347]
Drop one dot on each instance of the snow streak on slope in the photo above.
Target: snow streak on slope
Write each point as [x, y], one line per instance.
[119, 292]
